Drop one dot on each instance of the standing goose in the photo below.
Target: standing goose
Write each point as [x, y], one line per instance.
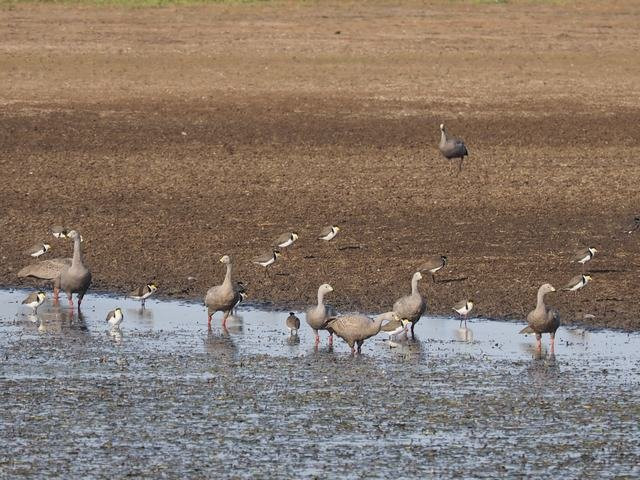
[144, 292]
[39, 249]
[543, 319]
[328, 233]
[317, 316]
[411, 307]
[68, 274]
[222, 298]
[433, 264]
[114, 318]
[356, 328]
[584, 255]
[452, 148]
[266, 260]
[285, 240]
[34, 300]
[463, 307]
[293, 324]
[576, 283]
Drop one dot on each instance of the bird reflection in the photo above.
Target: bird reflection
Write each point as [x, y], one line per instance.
[115, 335]
[235, 324]
[464, 334]
[219, 344]
[145, 314]
[293, 339]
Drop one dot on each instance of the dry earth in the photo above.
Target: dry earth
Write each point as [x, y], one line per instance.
[170, 136]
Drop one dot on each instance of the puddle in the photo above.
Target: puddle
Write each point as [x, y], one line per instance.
[166, 398]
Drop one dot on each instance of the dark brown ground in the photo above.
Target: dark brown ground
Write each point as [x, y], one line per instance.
[170, 136]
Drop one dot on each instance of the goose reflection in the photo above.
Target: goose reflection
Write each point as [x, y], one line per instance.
[235, 324]
[219, 344]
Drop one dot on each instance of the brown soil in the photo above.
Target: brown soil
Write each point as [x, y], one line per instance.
[170, 136]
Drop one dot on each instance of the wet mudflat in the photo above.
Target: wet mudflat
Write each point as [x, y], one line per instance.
[167, 399]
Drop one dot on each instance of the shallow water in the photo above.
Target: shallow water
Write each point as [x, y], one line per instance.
[167, 399]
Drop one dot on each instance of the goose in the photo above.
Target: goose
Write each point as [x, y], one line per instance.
[543, 319]
[583, 255]
[222, 298]
[452, 148]
[576, 283]
[285, 240]
[411, 307]
[317, 316]
[144, 292]
[34, 300]
[266, 259]
[328, 233]
[114, 318]
[463, 307]
[355, 328]
[293, 323]
[433, 264]
[68, 274]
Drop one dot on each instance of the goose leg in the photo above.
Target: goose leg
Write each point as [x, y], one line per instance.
[224, 319]
[80, 297]
[330, 339]
[209, 322]
[552, 343]
[70, 298]
[538, 342]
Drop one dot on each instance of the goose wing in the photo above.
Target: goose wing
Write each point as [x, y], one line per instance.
[47, 269]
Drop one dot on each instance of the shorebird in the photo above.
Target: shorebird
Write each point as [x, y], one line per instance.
[328, 233]
[293, 324]
[241, 297]
[68, 274]
[543, 319]
[318, 315]
[144, 292]
[222, 297]
[114, 318]
[396, 328]
[433, 264]
[266, 259]
[463, 308]
[34, 300]
[635, 225]
[285, 240]
[59, 232]
[584, 255]
[39, 249]
[452, 148]
[576, 283]
[412, 306]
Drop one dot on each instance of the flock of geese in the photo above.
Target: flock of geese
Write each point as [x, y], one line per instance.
[72, 276]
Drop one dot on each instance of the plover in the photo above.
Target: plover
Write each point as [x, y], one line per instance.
[144, 292]
[293, 324]
[34, 300]
[285, 240]
[433, 264]
[576, 283]
[328, 233]
[584, 255]
[463, 307]
[59, 232]
[266, 259]
[114, 318]
[39, 249]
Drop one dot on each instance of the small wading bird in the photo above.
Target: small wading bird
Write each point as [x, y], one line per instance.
[59, 232]
[266, 260]
[222, 298]
[144, 292]
[68, 274]
[328, 233]
[285, 240]
[356, 328]
[293, 324]
[114, 318]
[543, 319]
[39, 249]
[463, 308]
[583, 255]
[396, 328]
[34, 300]
[412, 306]
[576, 283]
[452, 148]
[433, 264]
[318, 315]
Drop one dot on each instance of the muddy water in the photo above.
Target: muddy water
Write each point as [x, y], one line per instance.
[166, 399]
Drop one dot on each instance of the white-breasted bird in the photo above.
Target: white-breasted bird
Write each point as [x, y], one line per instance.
[328, 233]
[577, 282]
[114, 318]
[285, 240]
[293, 323]
[144, 292]
[38, 249]
[266, 259]
[59, 232]
[584, 255]
[34, 300]
[463, 307]
[400, 330]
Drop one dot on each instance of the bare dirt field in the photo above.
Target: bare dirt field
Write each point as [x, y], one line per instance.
[170, 136]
